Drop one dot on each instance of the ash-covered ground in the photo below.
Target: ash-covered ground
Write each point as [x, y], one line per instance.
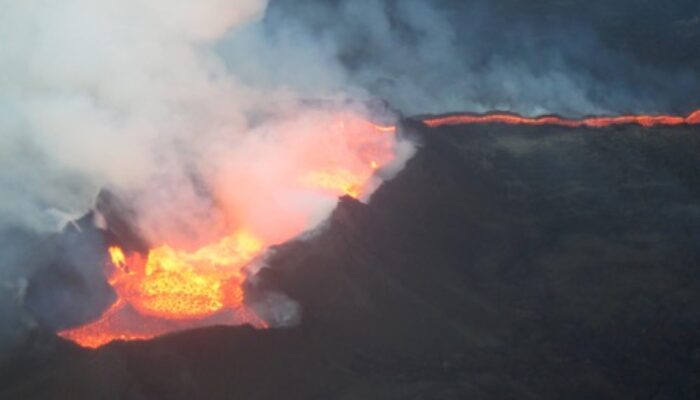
[504, 262]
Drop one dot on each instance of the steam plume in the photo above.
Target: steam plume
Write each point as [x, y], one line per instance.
[135, 96]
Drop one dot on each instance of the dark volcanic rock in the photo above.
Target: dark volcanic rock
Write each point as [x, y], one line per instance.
[503, 262]
[70, 289]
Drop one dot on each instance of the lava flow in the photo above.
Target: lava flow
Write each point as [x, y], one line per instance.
[170, 289]
[589, 122]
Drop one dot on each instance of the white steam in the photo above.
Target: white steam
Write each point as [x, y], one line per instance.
[102, 93]
[135, 96]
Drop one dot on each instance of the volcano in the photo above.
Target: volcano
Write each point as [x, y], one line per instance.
[507, 261]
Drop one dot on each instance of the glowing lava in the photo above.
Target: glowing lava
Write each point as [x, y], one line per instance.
[589, 122]
[171, 289]
[171, 285]
[181, 285]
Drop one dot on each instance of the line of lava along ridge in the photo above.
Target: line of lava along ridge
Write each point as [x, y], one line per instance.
[589, 122]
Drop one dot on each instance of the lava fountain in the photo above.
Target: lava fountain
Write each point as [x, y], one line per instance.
[171, 289]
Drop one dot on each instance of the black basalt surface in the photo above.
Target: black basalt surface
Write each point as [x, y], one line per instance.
[504, 262]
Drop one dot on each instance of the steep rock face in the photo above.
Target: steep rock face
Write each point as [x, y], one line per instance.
[503, 262]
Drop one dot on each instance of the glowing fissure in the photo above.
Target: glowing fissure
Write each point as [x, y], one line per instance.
[589, 122]
[170, 289]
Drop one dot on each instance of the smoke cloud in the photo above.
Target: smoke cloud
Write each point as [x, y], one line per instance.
[135, 96]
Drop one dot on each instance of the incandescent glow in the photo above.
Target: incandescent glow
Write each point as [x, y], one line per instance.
[171, 289]
[589, 122]
[116, 254]
[172, 286]
[181, 285]
[335, 181]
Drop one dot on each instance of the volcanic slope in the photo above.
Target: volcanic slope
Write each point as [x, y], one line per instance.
[504, 262]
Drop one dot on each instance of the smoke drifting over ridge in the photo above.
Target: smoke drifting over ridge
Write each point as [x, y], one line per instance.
[568, 57]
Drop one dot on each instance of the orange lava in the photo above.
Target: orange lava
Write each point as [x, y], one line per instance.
[589, 122]
[351, 180]
[172, 286]
[171, 289]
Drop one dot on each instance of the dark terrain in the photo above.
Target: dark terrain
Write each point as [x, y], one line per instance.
[504, 262]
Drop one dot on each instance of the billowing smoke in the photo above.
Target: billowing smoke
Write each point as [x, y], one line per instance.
[135, 96]
[106, 92]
